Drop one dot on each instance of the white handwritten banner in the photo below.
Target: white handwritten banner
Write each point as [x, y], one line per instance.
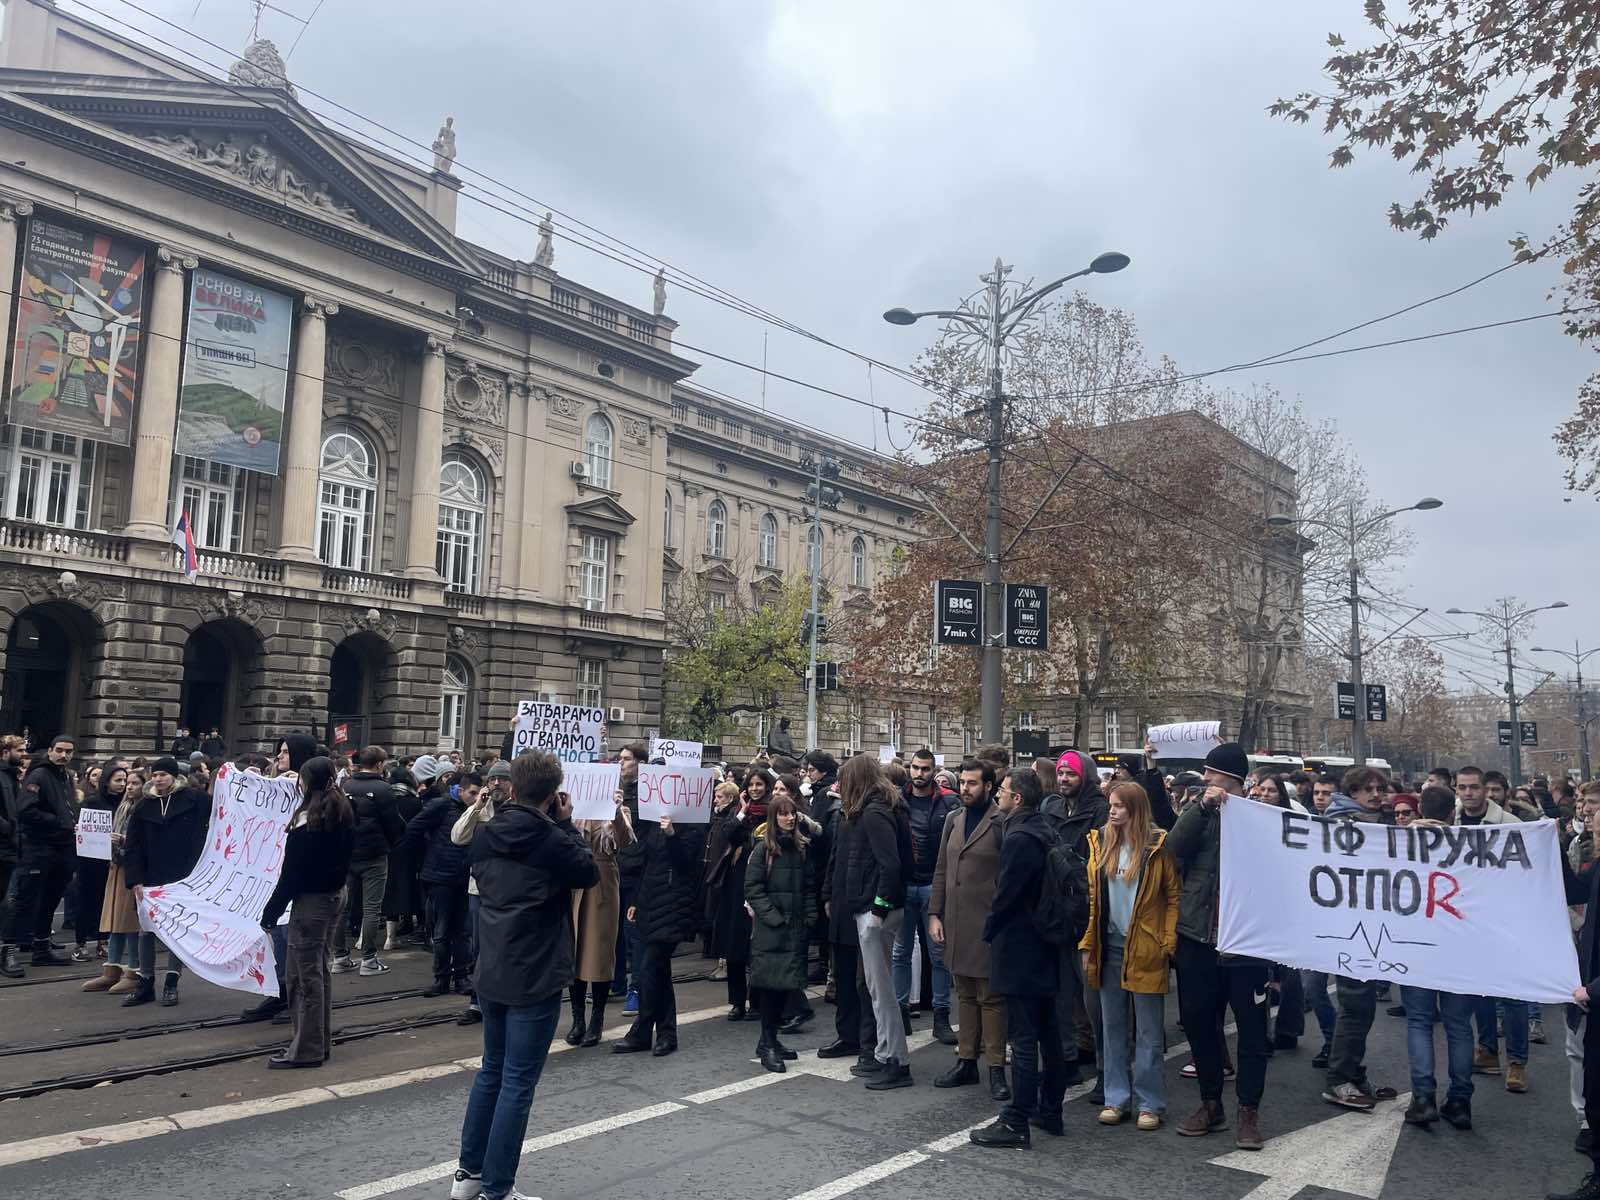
[680, 792]
[569, 731]
[212, 919]
[94, 832]
[675, 750]
[1186, 739]
[593, 789]
[1477, 910]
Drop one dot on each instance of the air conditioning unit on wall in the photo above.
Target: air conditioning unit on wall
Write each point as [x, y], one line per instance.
[580, 469]
[617, 715]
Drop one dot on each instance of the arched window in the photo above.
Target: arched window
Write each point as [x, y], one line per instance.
[597, 450]
[717, 530]
[666, 520]
[463, 509]
[768, 555]
[858, 562]
[347, 499]
[814, 543]
[453, 710]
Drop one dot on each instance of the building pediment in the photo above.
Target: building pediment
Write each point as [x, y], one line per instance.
[255, 149]
[718, 571]
[601, 512]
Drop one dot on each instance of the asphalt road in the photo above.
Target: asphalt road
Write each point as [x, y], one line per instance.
[381, 1121]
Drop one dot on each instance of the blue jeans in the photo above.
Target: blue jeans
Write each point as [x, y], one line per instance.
[1516, 1018]
[1145, 1077]
[1316, 985]
[1455, 1013]
[516, 1042]
[916, 919]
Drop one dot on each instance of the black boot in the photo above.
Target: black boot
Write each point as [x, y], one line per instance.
[942, 1032]
[1589, 1189]
[784, 1052]
[143, 994]
[999, 1089]
[1422, 1111]
[1458, 1113]
[895, 1074]
[11, 963]
[575, 997]
[767, 1052]
[169, 989]
[44, 954]
[965, 1072]
[439, 987]
[266, 1010]
[1001, 1135]
[597, 1022]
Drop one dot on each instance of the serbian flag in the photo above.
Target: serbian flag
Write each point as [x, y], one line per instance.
[183, 539]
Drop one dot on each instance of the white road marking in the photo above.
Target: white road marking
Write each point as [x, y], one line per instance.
[1349, 1152]
[711, 1095]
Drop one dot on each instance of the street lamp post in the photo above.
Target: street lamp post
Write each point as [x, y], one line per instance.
[1576, 657]
[994, 326]
[1353, 532]
[1506, 621]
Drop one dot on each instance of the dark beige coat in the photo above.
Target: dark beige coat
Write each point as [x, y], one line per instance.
[596, 910]
[963, 890]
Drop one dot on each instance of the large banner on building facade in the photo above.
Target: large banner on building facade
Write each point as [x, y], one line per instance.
[235, 372]
[212, 918]
[1478, 910]
[80, 309]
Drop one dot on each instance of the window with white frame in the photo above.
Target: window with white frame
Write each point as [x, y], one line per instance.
[858, 562]
[716, 607]
[1025, 719]
[894, 726]
[855, 725]
[767, 551]
[666, 521]
[347, 499]
[48, 477]
[814, 545]
[594, 571]
[213, 496]
[1030, 668]
[969, 735]
[463, 511]
[1113, 729]
[597, 450]
[935, 729]
[453, 709]
[717, 530]
[592, 682]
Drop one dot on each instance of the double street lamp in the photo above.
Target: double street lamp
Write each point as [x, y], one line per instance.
[1506, 621]
[1351, 532]
[1576, 657]
[993, 322]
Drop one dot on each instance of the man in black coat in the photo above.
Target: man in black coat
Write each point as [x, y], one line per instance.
[379, 830]
[1023, 967]
[664, 913]
[853, 1020]
[165, 837]
[821, 770]
[184, 744]
[1584, 889]
[47, 826]
[10, 839]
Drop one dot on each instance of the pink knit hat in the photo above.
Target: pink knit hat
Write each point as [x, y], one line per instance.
[1071, 760]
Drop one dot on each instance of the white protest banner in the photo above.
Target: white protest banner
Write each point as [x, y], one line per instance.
[569, 731]
[593, 789]
[1186, 739]
[681, 792]
[212, 919]
[675, 750]
[94, 832]
[1477, 910]
[886, 753]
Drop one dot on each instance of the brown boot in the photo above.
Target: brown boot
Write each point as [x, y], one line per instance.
[128, 983]
[1247, 1134]
[108, 976]
[1204, 1119]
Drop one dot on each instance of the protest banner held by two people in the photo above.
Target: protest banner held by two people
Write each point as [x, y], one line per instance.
[1476, 910]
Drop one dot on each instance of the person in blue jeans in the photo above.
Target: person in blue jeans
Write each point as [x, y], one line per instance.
[929, 804]
[1488, 1011]
[1423, 1007]
[526, 862]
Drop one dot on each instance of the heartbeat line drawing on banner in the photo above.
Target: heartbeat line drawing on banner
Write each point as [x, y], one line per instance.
[1373, 947]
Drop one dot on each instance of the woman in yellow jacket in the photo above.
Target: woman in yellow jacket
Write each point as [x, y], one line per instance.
[1133, 932]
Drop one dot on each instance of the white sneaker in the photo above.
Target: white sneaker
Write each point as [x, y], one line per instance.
[371, 966]
[341, 964]
[466, 1185]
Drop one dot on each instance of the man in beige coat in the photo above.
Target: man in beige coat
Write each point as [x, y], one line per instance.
[963, 892]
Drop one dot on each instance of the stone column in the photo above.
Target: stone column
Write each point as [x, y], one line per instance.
[11, 214]
[427, 448]
[297, 538]
[157, 415]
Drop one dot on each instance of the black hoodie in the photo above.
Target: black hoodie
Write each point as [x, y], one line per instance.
[47, 815]
[302, 749]
[526, 867]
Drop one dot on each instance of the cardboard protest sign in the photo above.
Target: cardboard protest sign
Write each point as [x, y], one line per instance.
[212, 919]
[1477, 910]
[94, 832]
[887, 753]
[1186, 739]
[681, 792]
[569, 731]
[593, 788]
[676, 750]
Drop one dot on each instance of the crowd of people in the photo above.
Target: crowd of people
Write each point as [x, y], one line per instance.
[1041, 912]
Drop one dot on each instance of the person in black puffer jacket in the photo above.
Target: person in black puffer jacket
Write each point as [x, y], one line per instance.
[664, 914]
[11, 746]
[47, 822]
[166, 834]
[820, 770]
[445, 866]
[379, 830]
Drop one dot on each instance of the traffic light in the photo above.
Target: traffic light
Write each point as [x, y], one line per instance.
[822, 628]
[827, 677]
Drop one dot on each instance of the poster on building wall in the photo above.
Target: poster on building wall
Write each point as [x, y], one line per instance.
[235, 372]
[80, 309]
[569, 731]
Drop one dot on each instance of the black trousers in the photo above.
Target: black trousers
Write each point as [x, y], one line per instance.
[852, 1014]
[1207, 987]
[40, 887]
[1291, 1018]
[658, 1003]
[1036, 1087]
[769, 1002]
[1591, 1078]
[91, 885]
[739, 984]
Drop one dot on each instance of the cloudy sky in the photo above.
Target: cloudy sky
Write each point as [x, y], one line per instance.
[828, 159]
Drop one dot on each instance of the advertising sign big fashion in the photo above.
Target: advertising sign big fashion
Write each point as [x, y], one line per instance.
[80, 308]
[235, 372]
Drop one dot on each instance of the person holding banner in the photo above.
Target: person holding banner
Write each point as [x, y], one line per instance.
[165, 836]
[91, 881]
[595, 913]
[664, 914]
[119, 914]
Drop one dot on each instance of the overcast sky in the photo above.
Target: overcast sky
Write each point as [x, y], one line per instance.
[829, 159]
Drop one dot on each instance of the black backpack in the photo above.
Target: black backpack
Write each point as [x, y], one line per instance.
[1063, 911]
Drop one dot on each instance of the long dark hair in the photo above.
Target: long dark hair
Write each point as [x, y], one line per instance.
[782, 804]
[324, 803]
[860, 779]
